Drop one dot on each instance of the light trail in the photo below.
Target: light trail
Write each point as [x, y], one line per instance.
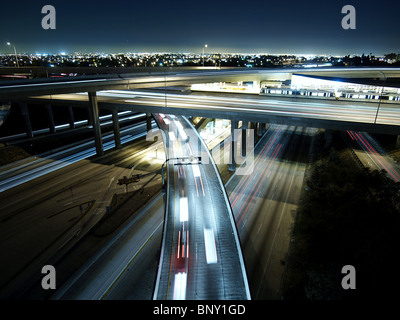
[360, 112]
[180, 286]
[211, 249]
[248, 179]
[257, 184]
[86, 152]
[193, 224]
[362, 141]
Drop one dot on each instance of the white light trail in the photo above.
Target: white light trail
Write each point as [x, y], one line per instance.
[196, 170]
[211, 249]
[180, 286]
[171, 136]
[183, 209]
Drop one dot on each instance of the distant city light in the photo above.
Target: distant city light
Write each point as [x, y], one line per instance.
[62, 59]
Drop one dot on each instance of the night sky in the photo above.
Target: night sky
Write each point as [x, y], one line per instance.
[292, 26]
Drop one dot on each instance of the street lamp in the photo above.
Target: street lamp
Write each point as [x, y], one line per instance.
[205, 46]
[380, 98]
[15, 51]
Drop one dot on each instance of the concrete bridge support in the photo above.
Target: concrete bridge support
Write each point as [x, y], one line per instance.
[71, 118]
[259, 129]
[50, 117]
[263, 128]
[94, 118]
[117, 135]
[25, 115]
[233, 147]
[90, 118]
[245, 126]
[148, 122]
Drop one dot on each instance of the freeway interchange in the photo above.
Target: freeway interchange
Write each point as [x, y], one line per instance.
[194, 231]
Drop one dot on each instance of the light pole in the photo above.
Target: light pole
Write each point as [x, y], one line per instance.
[205, 46]
[15, 51]
[380, 98]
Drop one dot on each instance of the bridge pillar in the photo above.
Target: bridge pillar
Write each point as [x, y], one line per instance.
[117, 135]
[148, 122]
[244, 137]
[398, 141]
[52, 127]
[71, 118]
[263, 128]
[233, 147]
[254, 127]
[94, 118]
[259, 129]
[90, 118]
[25, 115]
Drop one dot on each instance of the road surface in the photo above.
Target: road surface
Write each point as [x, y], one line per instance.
[43, 218]
[200, 257]
[372, 154]
[265, 202]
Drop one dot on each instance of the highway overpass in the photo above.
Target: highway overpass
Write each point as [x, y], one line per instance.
[48, 91]
[219, 257]
[201, 256]
[17, 89]
[335, 115]
[372, 117]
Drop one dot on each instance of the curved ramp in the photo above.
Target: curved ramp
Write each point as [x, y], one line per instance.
[201, 257]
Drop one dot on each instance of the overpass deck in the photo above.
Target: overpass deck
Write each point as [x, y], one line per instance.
[374, 117]
[201, 257]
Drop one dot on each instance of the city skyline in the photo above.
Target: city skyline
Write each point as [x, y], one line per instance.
[306, 28]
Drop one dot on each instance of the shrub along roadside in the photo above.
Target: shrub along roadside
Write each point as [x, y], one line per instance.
[348, 216]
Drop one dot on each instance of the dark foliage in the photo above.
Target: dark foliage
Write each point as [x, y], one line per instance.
[348, 216]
